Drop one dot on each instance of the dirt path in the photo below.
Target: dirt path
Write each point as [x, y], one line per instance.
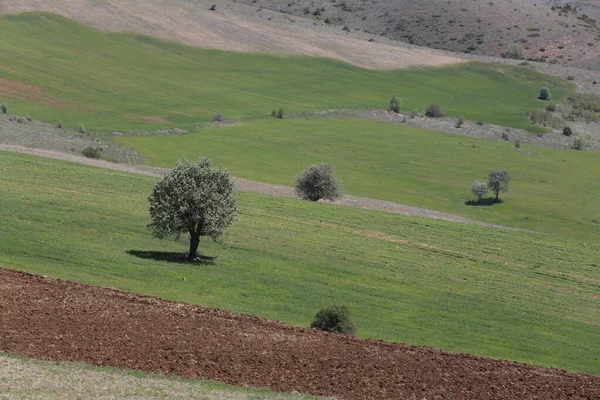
[261, 188]
[60, 320]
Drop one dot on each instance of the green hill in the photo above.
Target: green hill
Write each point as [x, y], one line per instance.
[55, 69]
[492, 292]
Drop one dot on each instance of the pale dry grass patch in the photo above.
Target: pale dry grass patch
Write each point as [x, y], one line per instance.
[34, 379]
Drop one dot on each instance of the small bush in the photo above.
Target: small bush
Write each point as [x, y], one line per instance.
[434, 110]
[414, 113]
[213, 7]
[60, 125]
[570, 78]
[334, 319]
[4, 108]
[28, 118]
[479, 189]
[480, 123]
[551, 107]
[318, 182]
[274, 113]
[545, 94]
[578, 144]
[517, 143]
[395, 104]
[217, 118]
[91, 152]
[514, 51]
[279, 114]
[567, 131]
[459, 122]
[504, 136]
[81, 128]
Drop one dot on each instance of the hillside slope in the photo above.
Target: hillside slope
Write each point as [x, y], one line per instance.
[232, 27]
[470, 26]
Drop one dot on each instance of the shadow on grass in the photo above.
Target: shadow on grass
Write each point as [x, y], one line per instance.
[490, 201]
[171, 256]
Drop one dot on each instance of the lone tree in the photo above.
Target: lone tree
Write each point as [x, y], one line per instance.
[498, 182]
[545, 94]
[318, 182]
[193, 198]
[479, 189]
[395, 104]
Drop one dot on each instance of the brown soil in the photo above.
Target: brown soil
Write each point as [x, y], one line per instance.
[61, 320]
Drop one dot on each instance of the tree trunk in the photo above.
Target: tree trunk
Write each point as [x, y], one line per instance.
[194, 242]
[497, 194]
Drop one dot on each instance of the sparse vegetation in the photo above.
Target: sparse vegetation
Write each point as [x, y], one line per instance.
[193, 198]
[217, 118]
[92, 152]
[578, 143]
[459, 122]
[4, 108]
[318, 182]
[82, 129]
[334, 318]
[414, 113]
[514, 51]
[434, 110]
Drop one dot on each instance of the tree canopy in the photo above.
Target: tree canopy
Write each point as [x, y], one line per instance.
[194, 198]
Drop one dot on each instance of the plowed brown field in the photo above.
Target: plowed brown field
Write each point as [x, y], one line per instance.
[61, 320]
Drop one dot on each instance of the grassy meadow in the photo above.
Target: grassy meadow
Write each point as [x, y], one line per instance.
[109, 82]
[551, 191]
[499, 293]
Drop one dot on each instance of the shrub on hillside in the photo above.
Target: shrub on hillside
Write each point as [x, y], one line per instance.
[498, 182]
[459, 122]
[217, 118]
[60, 125]
[279, 114]
[395, 104]
[91, 152]
[479, 189]
[567, 131]
[551, 107]
[334, 319]
[514, 51]
[318, 182]
[434, 110]
[81, 128]
[545, 94]
[4, 108]
[578, 143]
[414, 113]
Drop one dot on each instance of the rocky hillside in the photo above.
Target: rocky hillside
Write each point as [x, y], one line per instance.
[545, 30]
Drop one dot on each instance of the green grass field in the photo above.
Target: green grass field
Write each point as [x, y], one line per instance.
[515, 295]
[123, 81]
[552, 191]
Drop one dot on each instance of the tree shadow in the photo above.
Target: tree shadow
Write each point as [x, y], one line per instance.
[172, 256]
[489, 201]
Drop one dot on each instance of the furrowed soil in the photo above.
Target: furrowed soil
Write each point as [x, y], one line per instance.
[61, 320]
